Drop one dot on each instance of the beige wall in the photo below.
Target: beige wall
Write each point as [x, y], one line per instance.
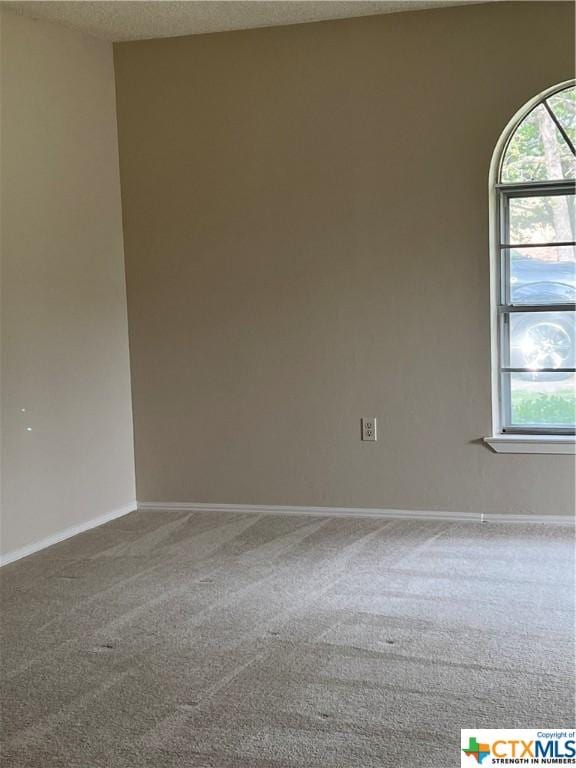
[306, 230]
[64, 327]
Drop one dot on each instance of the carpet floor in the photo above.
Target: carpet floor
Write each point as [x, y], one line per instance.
[222, 640]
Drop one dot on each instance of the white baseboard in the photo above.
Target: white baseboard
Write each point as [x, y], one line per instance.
[67, 533]
[366, 512]
[550, 519]
[407, 514]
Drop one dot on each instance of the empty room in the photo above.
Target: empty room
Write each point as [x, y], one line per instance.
[288, 383]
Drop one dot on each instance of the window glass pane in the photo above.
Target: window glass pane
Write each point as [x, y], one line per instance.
[542, 219]
[542, 340]
[537, 151]
[543, 275]
[542, 400]
[563, 104]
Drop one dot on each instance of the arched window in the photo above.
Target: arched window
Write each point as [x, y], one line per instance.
[533, 214]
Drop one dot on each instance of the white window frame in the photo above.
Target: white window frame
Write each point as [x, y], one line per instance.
[505, 439]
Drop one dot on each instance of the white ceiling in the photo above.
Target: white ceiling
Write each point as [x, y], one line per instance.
[142, 19]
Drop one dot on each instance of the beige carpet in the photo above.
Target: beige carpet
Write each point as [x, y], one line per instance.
[245, 641]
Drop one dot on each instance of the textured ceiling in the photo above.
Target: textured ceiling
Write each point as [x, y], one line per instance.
[141, 19]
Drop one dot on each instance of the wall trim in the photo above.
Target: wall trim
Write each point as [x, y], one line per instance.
[365, 512]
[67, 533]
[407, 514]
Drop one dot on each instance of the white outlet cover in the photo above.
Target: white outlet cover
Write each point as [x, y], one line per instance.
[369, 429]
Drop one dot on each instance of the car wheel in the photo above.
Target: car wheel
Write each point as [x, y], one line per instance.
[545, 343]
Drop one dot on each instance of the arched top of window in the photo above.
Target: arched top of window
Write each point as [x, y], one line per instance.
[542, 146]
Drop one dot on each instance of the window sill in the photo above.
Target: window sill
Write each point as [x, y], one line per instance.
[532, 444]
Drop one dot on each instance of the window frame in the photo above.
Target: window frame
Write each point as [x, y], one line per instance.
[505, 436]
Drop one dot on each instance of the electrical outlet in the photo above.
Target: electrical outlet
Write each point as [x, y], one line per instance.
[369, 429]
